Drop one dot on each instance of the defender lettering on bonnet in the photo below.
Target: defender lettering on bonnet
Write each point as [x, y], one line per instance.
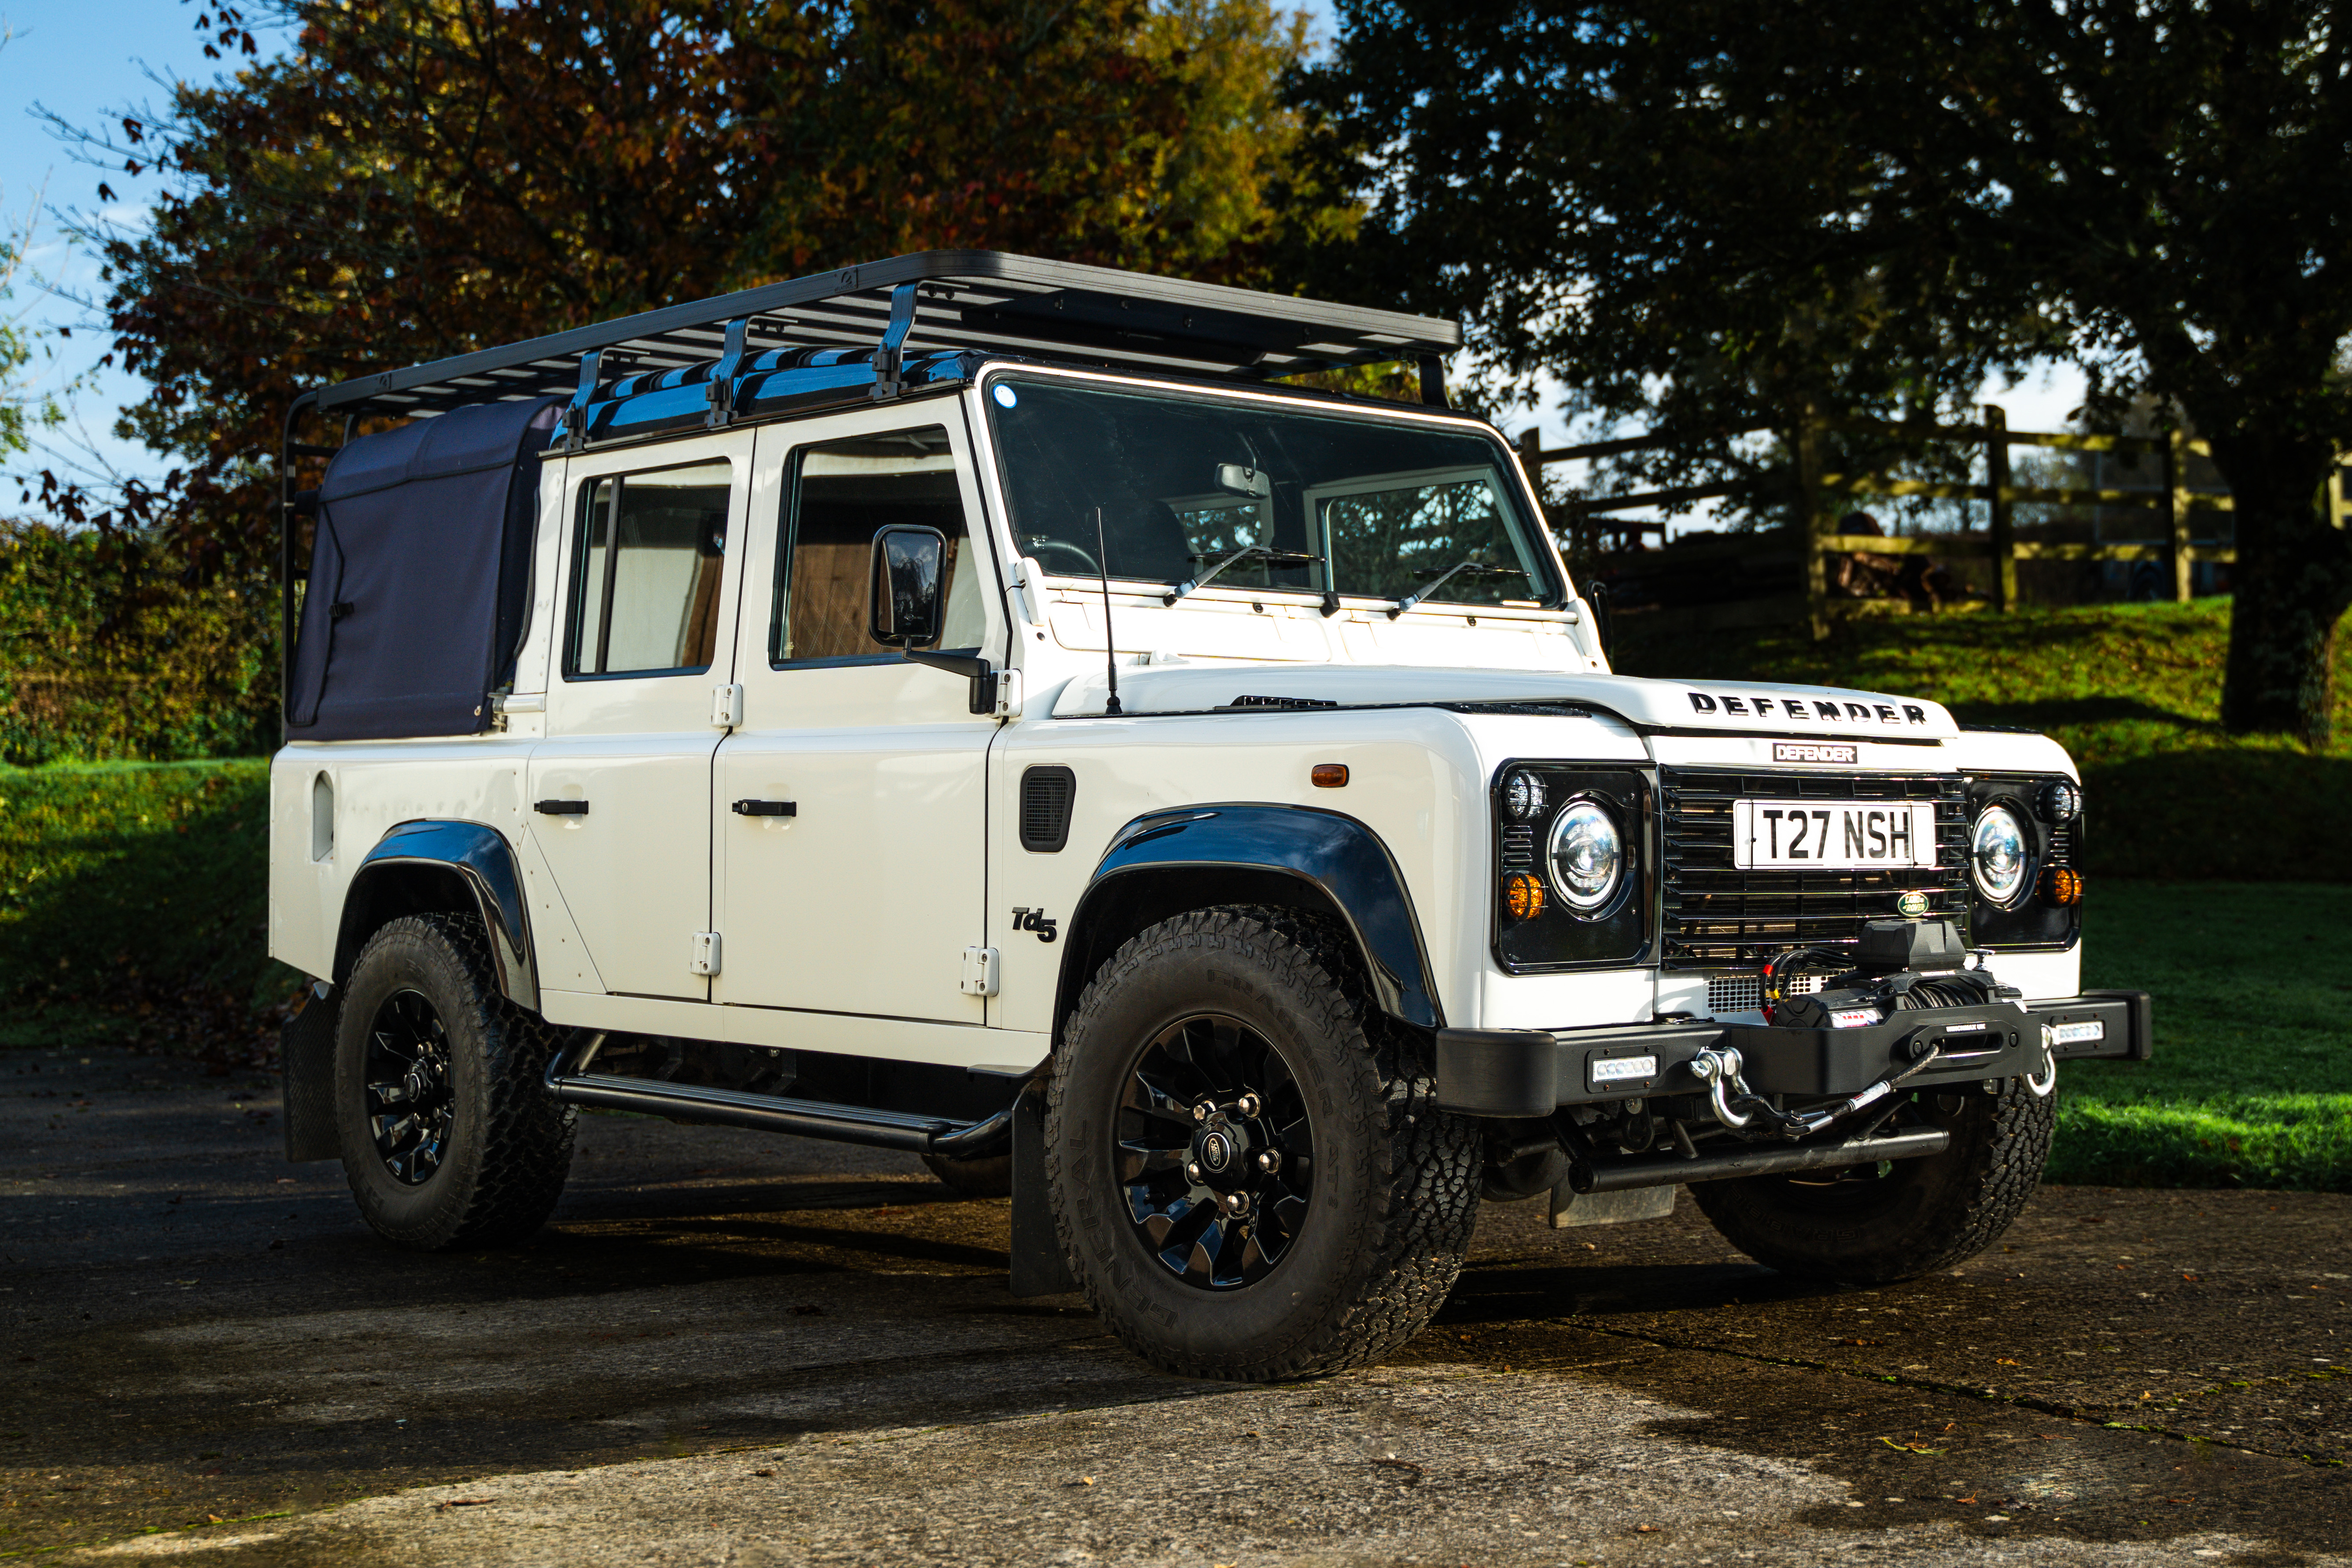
[1809, 709]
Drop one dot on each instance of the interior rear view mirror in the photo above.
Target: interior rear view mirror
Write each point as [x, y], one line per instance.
[1243, 480]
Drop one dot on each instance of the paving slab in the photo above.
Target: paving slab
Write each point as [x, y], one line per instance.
[735, 1349]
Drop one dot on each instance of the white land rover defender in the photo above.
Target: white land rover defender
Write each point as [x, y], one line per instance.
[969, 705]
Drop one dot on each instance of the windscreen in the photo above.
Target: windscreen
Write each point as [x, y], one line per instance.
[1361, 507]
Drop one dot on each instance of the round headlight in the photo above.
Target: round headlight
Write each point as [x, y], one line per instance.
[1523, 796]
[1997, 854]
[1587, 853]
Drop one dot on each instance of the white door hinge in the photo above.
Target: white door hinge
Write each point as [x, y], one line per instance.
[725, 706]
[980, 970]
[706, 952]
[1008, 694]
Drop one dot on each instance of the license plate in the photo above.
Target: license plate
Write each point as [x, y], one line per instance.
[1840, 835]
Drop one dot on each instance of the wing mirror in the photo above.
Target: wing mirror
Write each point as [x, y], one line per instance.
[903, 603]
[906, 606]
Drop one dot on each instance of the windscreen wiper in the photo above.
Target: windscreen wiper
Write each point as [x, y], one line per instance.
[1272, 557]
[1475, 568]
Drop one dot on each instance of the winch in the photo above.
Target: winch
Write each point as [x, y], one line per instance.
[1854, 1030]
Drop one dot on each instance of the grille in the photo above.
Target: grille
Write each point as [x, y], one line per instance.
[1745, 993]
[1048, 793]
[1716, 915]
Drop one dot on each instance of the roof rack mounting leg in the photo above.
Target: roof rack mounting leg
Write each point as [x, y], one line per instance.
[891, 357]
[1432, 380]
[575, 417]
[721, 387]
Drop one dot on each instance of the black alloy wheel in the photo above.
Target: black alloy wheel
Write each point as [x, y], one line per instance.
[411, 1104]
[444, 1122]
[1215, 1152]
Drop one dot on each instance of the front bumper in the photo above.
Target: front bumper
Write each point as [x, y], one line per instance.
[1533, 1072]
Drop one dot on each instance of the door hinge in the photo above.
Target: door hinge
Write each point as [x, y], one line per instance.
[727, 706]
[980, 970]
[706, 952]
[1008, 694]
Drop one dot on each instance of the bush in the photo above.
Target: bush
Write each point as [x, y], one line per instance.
[117, 650]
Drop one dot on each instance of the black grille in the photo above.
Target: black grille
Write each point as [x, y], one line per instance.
[1046, 796]
[1716, 915]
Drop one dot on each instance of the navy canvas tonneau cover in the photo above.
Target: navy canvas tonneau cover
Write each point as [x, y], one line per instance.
[418, 580]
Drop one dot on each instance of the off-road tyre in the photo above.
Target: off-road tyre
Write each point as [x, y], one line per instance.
[1907, 1218]
[987, 1177]
[508, 1146]
[1387, 1218]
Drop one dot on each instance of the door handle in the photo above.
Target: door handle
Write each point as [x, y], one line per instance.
[562, 807]
[767, 808]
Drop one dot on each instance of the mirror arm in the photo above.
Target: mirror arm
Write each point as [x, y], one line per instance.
[978, 670]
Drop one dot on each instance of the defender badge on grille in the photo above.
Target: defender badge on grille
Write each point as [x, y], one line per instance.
[1911, 905]
[1814, 751]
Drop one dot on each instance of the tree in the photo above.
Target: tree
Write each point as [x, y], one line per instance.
[416, 178]
[1702, 211]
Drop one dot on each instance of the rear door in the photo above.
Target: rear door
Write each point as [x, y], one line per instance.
[621, 787]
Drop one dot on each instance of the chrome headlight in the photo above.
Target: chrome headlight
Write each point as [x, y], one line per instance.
[1586, 852]
[1998, 857]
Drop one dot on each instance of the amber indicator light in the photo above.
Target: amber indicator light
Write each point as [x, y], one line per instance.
[1523, 896]
[2061, 888]
[1329, 776]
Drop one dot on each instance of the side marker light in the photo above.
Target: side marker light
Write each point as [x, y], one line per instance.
[1329, 776]
[1523, 896]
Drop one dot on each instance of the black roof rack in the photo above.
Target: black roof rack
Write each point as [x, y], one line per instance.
[982, 299]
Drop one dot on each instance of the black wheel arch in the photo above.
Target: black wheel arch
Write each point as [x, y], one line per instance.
[1164, 863]
[434, 865]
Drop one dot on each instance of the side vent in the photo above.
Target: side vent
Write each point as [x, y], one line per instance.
[1048, 795]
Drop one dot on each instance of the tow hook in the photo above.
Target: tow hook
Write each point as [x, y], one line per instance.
[2043, 1082]
[1737, 1105]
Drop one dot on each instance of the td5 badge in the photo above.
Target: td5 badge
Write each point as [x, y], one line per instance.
[1036, 920]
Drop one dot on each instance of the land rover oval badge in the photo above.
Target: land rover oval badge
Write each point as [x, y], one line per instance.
[1911, 905]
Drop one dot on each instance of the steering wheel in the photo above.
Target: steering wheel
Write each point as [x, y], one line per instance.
[1044, 547]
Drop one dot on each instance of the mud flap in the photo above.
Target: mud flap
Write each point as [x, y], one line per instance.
[306, 1066]
[1038, 1269]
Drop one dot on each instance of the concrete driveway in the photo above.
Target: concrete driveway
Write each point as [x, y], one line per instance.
[729, 1348]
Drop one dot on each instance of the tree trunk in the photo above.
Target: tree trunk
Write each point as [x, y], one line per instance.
[2292, 585]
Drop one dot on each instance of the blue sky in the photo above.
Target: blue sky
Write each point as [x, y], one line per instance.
[85, 59]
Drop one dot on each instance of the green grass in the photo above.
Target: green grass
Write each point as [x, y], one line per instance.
[133, 902]
[2132, 691]
[2252, 1082]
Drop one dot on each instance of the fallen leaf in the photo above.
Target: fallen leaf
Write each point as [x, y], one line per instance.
[2004, 1360]
[1911, 1448]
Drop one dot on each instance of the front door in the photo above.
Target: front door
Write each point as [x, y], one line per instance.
[862, 899]
[621, 787]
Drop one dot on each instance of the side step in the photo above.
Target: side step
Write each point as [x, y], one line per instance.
[774, 1113]
[1757, 1161]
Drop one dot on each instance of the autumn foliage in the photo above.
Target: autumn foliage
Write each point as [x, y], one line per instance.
[417, 178]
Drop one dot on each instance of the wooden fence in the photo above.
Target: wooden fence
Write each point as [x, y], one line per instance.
[1815, 496]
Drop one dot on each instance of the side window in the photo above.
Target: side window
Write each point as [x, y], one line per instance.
[645, 571]
[842, 494]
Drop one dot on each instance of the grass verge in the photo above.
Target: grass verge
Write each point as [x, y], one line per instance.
[2252, 1082]
[2132, 692]
[133, 897]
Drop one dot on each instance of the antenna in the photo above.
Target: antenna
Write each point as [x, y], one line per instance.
[1111, 708]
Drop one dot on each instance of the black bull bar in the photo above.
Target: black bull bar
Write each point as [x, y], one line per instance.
[1530, 1073]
